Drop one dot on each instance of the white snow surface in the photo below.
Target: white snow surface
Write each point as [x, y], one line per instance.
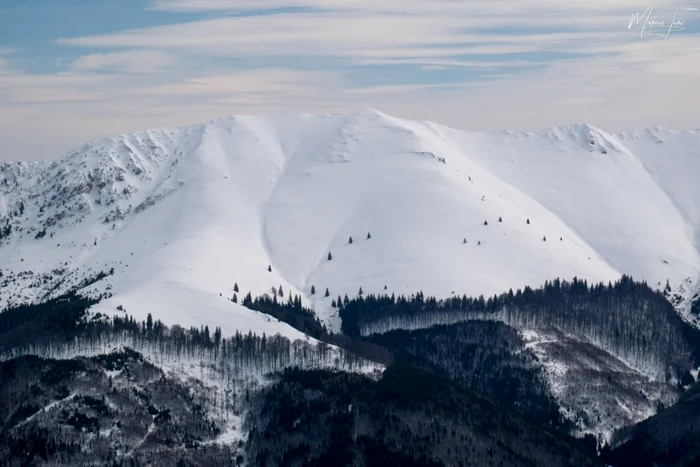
[183, 214]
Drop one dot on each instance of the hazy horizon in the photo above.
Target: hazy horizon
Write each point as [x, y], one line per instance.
[77, 71]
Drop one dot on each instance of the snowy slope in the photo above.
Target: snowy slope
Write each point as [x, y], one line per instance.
[183, 214]
[631, 196]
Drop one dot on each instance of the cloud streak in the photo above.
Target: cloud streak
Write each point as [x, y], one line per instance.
[131, 61]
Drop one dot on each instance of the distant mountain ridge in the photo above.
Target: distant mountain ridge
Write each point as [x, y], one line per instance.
[166, 221]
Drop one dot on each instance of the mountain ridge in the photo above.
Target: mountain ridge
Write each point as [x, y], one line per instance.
[287, 189]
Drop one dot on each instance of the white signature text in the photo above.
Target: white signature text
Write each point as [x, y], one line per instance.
[658, 27]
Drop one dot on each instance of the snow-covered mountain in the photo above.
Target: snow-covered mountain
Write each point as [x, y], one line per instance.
[166, 221]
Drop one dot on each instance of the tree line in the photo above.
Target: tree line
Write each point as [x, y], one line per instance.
[62, 328]
[625, 318]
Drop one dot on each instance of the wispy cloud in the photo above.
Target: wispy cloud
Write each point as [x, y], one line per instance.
[356, 34]
[410, 6]
[131, 61]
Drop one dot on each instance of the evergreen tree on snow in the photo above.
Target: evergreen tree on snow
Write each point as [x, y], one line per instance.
[528, 221]
[313, 290]
[248, 300]
[464, 240]
[280, 291]
[500, 219]
[360, 291]
[235, 298]
[235, 287]
[486, 223]
[269, 268]
[544, 239]
[330, 256]
[368, 236]
[350, 240]
[327, 292]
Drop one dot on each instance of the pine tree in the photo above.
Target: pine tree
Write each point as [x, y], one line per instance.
[500, 219]
[333, 303]
[235, 298]
[327, 292]
[479, 242]
[248, 300]
[281, 292]
[313, 290]
[368, 236]
[544, 239]
[269, 268]
[464, 240]
[360, 291]
[385, 287]
[486, 223]
[217, 336]
[330, 256]
[350, 240]
[528, 221]
[235, 287]
[149, 323]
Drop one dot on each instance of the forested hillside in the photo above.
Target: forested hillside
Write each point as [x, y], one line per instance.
[115, 409]
[408, 418]
[626, 318]
[671, 438]
[486, 357]
[470, 381]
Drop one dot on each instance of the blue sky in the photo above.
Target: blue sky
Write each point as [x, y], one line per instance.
[80, 69]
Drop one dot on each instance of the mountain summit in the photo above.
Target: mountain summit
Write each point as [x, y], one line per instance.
[167, 221]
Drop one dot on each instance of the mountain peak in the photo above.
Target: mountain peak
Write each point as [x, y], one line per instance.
[204, 206]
